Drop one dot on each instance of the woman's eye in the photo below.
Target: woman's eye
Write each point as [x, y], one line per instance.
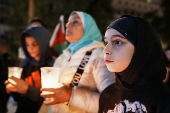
[117, 43]
[75, 22]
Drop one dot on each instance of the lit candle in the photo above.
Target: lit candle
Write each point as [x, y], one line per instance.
[49, 77]
[14, 71]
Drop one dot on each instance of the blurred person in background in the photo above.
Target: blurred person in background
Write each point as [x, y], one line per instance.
[83, 73]
[6, 61]
[38, 22]
[167, 63]
[33, 22]
[167, 53]
[3, 94]
[35, 44]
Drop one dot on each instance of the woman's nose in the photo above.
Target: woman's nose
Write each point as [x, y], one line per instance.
[107, 50]
[68, 24]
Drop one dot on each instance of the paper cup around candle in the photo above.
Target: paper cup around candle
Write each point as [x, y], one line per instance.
[49, 78]
[14, 71]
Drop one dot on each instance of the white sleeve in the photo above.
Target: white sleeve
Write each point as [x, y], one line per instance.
[85, 99]
[103, 77]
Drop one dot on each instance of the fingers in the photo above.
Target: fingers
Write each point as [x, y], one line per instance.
[48, 95]
[10, 88]
[14, 78]
[49, 102]
[59, 95]
[6, 82]
[12, 82]
[48, 89]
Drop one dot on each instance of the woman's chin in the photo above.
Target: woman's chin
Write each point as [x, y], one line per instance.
[69, 39]
[111, 69]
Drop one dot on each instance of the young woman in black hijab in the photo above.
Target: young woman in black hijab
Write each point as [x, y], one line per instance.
[133, 51]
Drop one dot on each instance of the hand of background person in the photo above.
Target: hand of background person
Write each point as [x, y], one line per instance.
[59, 95]
[20, 87]
[9, 87]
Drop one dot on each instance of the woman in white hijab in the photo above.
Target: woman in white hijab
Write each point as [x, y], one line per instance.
[83, 71]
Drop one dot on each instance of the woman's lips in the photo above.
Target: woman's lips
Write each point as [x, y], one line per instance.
[108, 61]
[68, 32]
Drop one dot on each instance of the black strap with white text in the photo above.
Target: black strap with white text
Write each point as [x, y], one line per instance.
[80, 70]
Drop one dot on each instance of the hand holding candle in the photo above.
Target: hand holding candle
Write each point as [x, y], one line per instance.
[59, 95]
[9, 87]
[14, 83]
[19, 85]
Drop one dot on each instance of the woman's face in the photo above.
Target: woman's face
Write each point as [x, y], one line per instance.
[74, 29]
[118, 51]
[32, 47]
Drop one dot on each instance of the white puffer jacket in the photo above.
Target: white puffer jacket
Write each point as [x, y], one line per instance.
[96, 77]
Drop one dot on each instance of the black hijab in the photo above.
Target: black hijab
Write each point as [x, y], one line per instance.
[147, 64]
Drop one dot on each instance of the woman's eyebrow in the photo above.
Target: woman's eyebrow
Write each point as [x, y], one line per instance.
[75, 18]
[114, 36]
